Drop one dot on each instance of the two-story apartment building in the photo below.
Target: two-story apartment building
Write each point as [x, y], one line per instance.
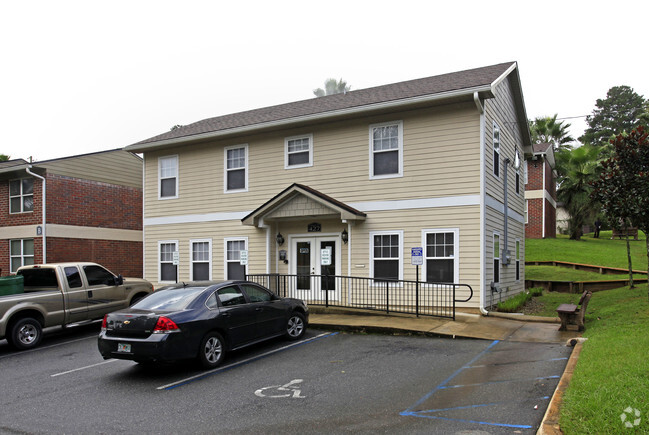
[540, 193]
[369, 173]
[80, 208]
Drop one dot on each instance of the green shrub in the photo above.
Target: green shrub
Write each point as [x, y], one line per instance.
[513, 304]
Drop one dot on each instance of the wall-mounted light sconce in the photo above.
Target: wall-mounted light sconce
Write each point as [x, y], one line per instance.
[345, 237]
[279, 239]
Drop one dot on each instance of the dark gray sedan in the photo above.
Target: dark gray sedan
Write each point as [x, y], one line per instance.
[202, 321]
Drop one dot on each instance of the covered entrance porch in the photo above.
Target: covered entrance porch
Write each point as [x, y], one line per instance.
[309, 237]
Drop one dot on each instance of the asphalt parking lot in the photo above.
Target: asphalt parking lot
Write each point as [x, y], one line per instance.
[329, 382]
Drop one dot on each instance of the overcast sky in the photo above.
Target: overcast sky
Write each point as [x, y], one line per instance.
[86, 76]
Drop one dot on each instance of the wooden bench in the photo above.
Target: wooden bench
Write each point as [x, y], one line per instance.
[632, 232]
[571, 314]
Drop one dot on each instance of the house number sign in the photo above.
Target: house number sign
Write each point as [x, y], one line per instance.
[314, 228]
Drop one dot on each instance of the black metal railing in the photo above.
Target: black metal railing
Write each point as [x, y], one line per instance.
[397, 296]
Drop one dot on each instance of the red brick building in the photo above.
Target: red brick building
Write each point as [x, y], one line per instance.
[79, 208]
[540, 193]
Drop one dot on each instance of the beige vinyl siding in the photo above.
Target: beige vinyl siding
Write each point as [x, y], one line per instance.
[113, 167]
[502, 111]
[441, 154]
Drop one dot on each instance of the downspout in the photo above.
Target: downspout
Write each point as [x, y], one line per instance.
[483, 246]
[44, 211]
[267, 228]
[543, 203]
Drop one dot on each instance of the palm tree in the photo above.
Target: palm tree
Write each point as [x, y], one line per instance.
[548, 130]
[332, 86]
[579, 166]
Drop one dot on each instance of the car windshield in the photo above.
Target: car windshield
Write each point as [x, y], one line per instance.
[169, 300]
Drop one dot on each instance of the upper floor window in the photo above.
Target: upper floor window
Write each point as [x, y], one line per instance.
[496, 143]
[386, 150]
[518, 260]
[21, 195]
[299, 151]
[21, 253]
[168, 177]
[236, 168]
[518, 181]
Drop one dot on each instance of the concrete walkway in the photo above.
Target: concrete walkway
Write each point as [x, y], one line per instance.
[496, 326]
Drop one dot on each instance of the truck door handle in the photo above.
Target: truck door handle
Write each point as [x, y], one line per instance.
[89, 293]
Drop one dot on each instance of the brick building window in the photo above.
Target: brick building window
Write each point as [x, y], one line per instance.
[21, 253]
[21, 195]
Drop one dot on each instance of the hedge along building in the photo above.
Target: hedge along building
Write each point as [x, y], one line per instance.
[79, 208]
[369, 173]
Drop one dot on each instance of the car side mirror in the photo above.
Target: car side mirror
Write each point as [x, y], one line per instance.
[119, 280]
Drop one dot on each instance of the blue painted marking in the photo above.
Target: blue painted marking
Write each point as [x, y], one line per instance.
[457, 372]
[497, 382]
[242, 363]
[423, 414]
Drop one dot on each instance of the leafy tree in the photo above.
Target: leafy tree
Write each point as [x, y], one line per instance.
[332, 87]
[623, 186]
[579, 168]
[4, 157]
[548, 130]
[615, 114]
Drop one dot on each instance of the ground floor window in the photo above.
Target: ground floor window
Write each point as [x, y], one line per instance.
[518, 260]
[496, 255]
[168, 271]
[440, 253]
[386, 254]
[201, 260]
[21, 253]
[233, 267]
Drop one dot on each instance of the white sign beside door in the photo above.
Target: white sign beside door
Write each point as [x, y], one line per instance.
[325, 257]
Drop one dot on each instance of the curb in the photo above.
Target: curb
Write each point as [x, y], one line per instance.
[550, 423]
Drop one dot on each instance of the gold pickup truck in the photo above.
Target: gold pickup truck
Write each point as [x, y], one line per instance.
[62, 294]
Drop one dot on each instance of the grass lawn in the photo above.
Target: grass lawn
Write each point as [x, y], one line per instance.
[613, 369]
[600, 252]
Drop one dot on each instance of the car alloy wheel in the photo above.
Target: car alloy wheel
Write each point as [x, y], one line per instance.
[212, 350]
[26, 333]
[295, 326]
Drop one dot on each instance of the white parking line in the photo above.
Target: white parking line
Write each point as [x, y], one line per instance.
[83, 368]
[239, 363]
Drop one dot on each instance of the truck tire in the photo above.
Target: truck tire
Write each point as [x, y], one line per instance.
[26, 333]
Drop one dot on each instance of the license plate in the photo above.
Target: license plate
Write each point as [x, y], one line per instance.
[121, 347]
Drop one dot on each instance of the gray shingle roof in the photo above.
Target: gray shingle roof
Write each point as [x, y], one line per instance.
[446, 83]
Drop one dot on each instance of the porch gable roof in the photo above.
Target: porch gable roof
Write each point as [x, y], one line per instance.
[294, 190]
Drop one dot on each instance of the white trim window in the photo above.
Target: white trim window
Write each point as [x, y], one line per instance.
[441, 255]
[386, 150]
[496, 255]
[167, 271]
[21, 195]
[386, 255]
[21, 253]
[298, 151]
[518, 181]
[236, 168]
[526, 172]
[527, 209]
[518, 260]
[201, 260]
[496, 145]
[233, 267]
[168, 177]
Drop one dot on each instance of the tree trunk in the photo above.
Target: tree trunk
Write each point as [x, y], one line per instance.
[647, 243]
[628, 256]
